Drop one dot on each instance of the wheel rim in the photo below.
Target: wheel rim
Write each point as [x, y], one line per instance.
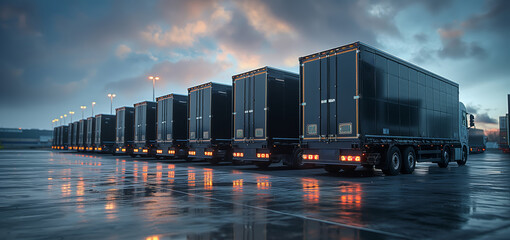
[395, 161]
[446, 157]
[410, 159]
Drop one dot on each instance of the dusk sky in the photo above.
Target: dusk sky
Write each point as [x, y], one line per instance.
[58, 55]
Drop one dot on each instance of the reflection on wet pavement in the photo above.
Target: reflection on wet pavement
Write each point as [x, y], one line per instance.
[68, 195]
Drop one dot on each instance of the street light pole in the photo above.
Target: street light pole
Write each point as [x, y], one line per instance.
[71, 113]
[154, 79]
[82, 110]
[111, 96]
[93, 103]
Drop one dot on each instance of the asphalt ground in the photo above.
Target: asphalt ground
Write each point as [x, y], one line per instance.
[66, 195]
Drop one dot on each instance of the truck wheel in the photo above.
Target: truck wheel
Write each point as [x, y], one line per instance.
[296, 160]
[409, 161]
[464, 157]
[332, 169]
[262, 165]
[445, 158]
[393, 162]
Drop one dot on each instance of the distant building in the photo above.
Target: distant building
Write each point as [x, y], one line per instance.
[25, 138]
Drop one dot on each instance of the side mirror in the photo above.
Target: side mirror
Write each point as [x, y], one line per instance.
[471, 120]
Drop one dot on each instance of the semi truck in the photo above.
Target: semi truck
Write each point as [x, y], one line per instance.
[265, 116]
[145, 129]
[124, 131]
[503, 134]
[104, 133]
[172, 136]
[90, 140]
[209, 122]
[54, 140]
[360, 106]
[477, 141]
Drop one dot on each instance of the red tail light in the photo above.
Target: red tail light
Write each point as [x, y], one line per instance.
[350, 158]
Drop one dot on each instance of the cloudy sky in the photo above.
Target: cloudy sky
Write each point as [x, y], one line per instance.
[59, 55]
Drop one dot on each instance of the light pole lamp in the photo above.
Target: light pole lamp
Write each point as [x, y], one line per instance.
[154, 79]
[71, 113]
[93, 103]
[111, 96]
[82, 110]
[65, 115]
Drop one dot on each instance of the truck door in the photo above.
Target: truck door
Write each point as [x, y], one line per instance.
[258, 107]
[205, 117]
[240, 108]
[193, 116]
[347, 96]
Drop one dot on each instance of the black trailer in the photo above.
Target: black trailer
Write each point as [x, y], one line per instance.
[82, 136]
[76, 135]
[145, 129]
[70, 136]
[104, 133]
[124, 134]
[172, 136]
[266, 116]
[63, 135]
[91, 127]
[57, 137]
[361, 106]
[209, 122]
[54, 140]
[477, 141]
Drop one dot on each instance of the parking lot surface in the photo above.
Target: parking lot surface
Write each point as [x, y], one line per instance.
[65, 195]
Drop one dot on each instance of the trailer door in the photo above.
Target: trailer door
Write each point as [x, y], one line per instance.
[193, 117]
[258, 108]
[206, 116]
[240, 108]
[347, 94]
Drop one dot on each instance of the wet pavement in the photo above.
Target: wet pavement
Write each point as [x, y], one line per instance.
[63, 195]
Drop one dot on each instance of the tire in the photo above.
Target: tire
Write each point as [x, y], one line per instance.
[445, 158]
[263, 165]
[464, 157]
[332, 169]
[296, 161]
[408, 161]
[393, 162]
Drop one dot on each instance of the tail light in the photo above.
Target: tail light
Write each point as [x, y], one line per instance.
[123, 149]
[262, 155]
[171, 151]
[135, 150]
[350, 158]
[99, 149]
[116, 149]
[208, 153]
[145, 150]
[239, 154]
[311, 156]
[159, 151]
[192, 153]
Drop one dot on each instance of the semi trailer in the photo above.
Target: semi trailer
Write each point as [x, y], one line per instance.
[265, 116]
[360, 106]
[76, 135]
[145, 129]
[209, 119]
[54, 140]
[70, 136]
[104, 133]
[172, 137]
[124, 131]
[90, 140]
[63, 137]
[503, 134]
[82, 138]
[477, 141]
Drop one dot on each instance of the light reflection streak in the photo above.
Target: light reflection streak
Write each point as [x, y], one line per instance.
[311, 190]
[237, 185]
[263, 183]
[208, 179]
